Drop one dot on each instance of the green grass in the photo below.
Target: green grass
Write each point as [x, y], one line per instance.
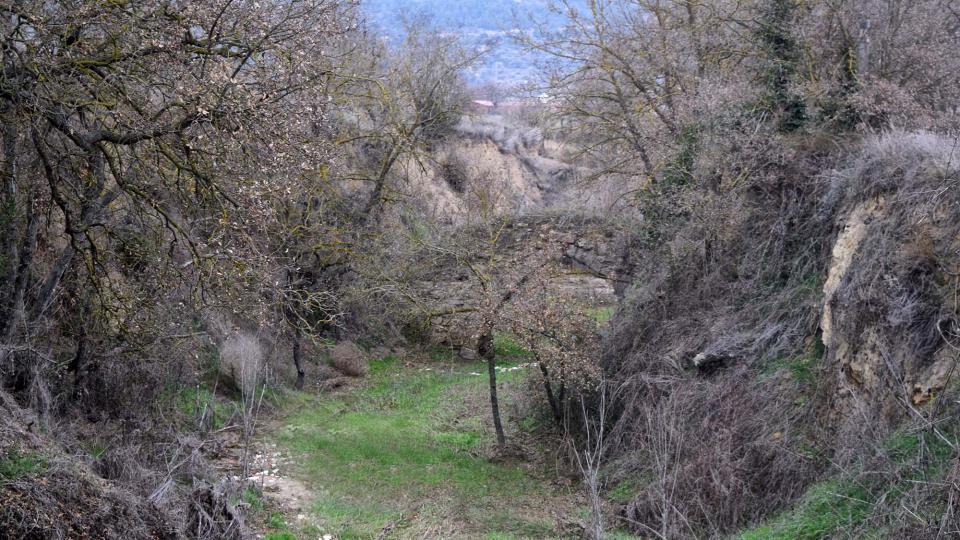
[802, 367]
[281, 535]
[196, 401]
[624, 492]
[277, 521]
[602, 314]
[407, 445]
[285, 398]
[506, 347]
[97, 450]
[16, 464]
[826, 509]
[280, 531]
[921, 457]
[253, 498]
[836, 507]
[621, 535]
[439, 353]
[908, 445]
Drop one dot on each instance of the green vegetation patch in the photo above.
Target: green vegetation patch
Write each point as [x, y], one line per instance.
[624, 492]
[282, 535]
[621, 535]
[392, 450]
[439, 353]
[834, 507]
[196, 402]
[16, 464]
[253, 498]
[802, 367]
[602, 314]
[97, 450]
[826, 509]
[507, 347]
[932, 448]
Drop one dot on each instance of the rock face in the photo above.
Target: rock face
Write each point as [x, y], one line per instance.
[890, 311]
[889, 314]
[493, 163]
[844, 250]
[349, 359]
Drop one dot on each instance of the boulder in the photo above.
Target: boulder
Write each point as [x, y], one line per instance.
[710, 362]
[467, 353]
[349, 359]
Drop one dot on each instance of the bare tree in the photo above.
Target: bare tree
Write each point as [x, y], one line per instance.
[629, 75]
[145, 146]
[590, 445]
[402, 100]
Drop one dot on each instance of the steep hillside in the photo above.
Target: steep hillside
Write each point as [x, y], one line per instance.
[800, 329]
[47, 493]
[489, 166]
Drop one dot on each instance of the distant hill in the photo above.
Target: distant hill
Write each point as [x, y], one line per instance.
[477, 21]
[457, 14]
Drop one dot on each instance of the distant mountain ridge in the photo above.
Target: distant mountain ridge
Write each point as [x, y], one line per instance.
[477, 21]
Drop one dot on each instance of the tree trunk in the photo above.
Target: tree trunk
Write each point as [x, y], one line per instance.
[13, 313]
[301, 374]
[78, 364]
[554, 405]
[8, 221]
[485, 349]
[48, 292]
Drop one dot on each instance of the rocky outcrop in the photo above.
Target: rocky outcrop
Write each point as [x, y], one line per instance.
[890, 300]
[490, 166]
[843, 253]
[890, 312]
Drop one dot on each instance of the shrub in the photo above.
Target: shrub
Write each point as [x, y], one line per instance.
[349, 359]
[241, 363]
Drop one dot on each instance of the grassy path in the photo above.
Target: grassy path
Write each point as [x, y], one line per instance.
[407, 455]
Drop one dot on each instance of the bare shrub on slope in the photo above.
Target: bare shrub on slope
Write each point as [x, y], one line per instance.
[727, 338]
[729, 288]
